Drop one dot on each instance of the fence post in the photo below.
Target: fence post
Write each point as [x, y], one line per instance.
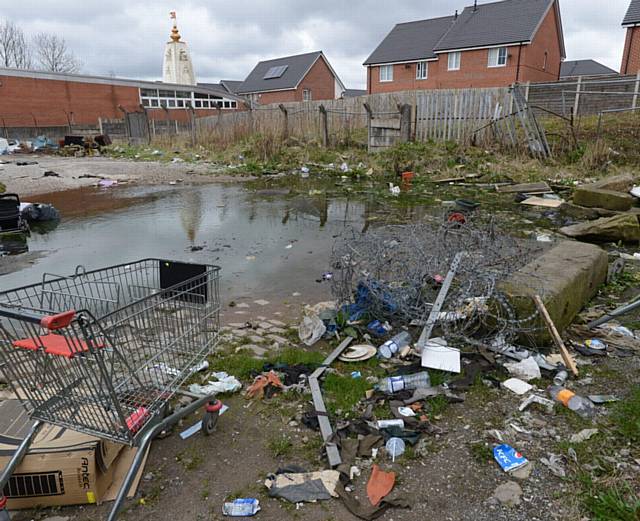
[325, 126]
[285, 125]
[576, 103]
[405, 122]
[636, 91]
[526, 91]
[192, 120]
[6, 131]
[367, 107]
[100, 128]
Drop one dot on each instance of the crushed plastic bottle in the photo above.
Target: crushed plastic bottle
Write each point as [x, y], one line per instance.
[391, 347]
[241, 507]
[582, 406]
[409, 382]
[395, 448]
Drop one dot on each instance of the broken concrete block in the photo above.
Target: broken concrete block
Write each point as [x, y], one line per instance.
[508, 494]
[567, 277]
[617, 228]
[619, 183]
[602, 198]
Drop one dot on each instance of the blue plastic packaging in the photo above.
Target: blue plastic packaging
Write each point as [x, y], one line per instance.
[241, 507]
[509, 458]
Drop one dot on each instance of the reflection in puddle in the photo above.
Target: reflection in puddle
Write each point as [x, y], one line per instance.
[266, 245]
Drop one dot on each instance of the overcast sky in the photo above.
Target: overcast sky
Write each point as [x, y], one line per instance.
[127, 37]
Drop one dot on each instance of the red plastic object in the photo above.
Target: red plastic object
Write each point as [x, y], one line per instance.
[407, 176]
[55, 345]
[136, 420]
[457, 217]
[3, 502]
[58, 321]
[214, 407]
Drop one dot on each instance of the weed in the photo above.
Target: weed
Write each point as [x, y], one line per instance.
[190, 459]
[280, 446]
[481, 452]
[3, 188]
[610, 503]
[626, 417]
[437, 405]
[343, 392]
[241, 365]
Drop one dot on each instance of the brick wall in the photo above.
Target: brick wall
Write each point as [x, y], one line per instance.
[319, 80]
[631, 56]
[51, 100]
[539, 62]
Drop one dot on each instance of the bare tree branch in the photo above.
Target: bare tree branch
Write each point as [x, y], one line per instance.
[15, 50]
[53, 55]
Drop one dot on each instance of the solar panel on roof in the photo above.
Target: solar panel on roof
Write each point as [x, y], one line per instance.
[275, 72]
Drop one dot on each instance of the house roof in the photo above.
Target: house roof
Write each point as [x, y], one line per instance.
[354, 93]
[202, 88]
[290, 71]
[633, 13]
[411, 41]
[231, 85]
[497, 23]
[573, 68]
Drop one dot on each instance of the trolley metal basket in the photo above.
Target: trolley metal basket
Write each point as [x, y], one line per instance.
[102, 352]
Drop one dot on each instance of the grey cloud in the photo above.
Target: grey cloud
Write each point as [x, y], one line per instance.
[227, 39]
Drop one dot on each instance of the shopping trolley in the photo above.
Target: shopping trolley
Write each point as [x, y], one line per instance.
[103, 352]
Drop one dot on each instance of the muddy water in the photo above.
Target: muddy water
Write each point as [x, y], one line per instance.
[270, 244]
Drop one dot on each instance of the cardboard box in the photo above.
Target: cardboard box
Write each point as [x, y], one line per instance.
[62, 467]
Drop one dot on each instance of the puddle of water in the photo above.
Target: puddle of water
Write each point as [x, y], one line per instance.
[268, 246]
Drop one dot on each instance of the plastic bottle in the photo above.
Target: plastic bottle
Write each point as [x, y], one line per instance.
[409, 382]
[583, 406]
[391, 347]
[560, 378]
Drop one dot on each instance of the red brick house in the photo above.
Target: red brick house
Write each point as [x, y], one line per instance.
[631, 56]
[52, 99]
[487, 45]
[304, 77]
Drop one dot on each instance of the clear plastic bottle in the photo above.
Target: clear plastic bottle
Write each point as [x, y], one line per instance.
[391, 347]
[583, 406]
[409, 382]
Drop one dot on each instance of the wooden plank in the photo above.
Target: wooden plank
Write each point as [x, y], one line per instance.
[390, 122]
[568, 361]
[526, 188]
[541, 201]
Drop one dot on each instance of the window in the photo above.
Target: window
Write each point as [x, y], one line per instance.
[386, 73]
[454, 61]
[275, 72]
[234, 104]
[306, 95]
[422, 71]
[498, 57]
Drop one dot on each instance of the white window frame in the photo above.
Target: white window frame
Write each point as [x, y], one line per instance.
[306, 95]
[498, 57]
[454, 60]
[422, 71]
[386, 73]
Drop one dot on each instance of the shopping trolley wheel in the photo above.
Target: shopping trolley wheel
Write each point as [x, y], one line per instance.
[210, 418]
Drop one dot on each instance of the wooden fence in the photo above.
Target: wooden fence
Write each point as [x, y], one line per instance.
[439, 115]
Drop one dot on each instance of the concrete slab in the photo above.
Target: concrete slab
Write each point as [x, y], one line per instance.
[567, 277]
[623, 227]
[602, 198]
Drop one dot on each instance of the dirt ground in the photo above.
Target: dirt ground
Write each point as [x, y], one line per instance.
[30, 180]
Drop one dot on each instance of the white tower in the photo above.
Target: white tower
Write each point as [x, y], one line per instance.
[177, 67]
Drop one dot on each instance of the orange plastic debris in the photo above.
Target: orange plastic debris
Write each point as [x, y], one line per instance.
[256, 389]
[379, 485]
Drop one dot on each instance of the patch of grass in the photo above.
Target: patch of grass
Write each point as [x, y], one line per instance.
[481, 452]
[3, 188]
[626, 417]
[610, 503]
[437, 405]
[280, 446]
[240, 365]
[343, 392]
[295, 356]
[190, 459]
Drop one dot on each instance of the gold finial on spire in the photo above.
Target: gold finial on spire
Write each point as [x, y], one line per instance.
[175, 35]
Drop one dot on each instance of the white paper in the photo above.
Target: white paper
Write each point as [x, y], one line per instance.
[441, 357]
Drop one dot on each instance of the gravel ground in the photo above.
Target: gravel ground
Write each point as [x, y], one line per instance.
[30, 180]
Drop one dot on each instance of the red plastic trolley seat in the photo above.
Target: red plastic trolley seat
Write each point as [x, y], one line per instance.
[55, 345]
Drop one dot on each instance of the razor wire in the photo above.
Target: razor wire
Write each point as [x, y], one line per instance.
[394, 273]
